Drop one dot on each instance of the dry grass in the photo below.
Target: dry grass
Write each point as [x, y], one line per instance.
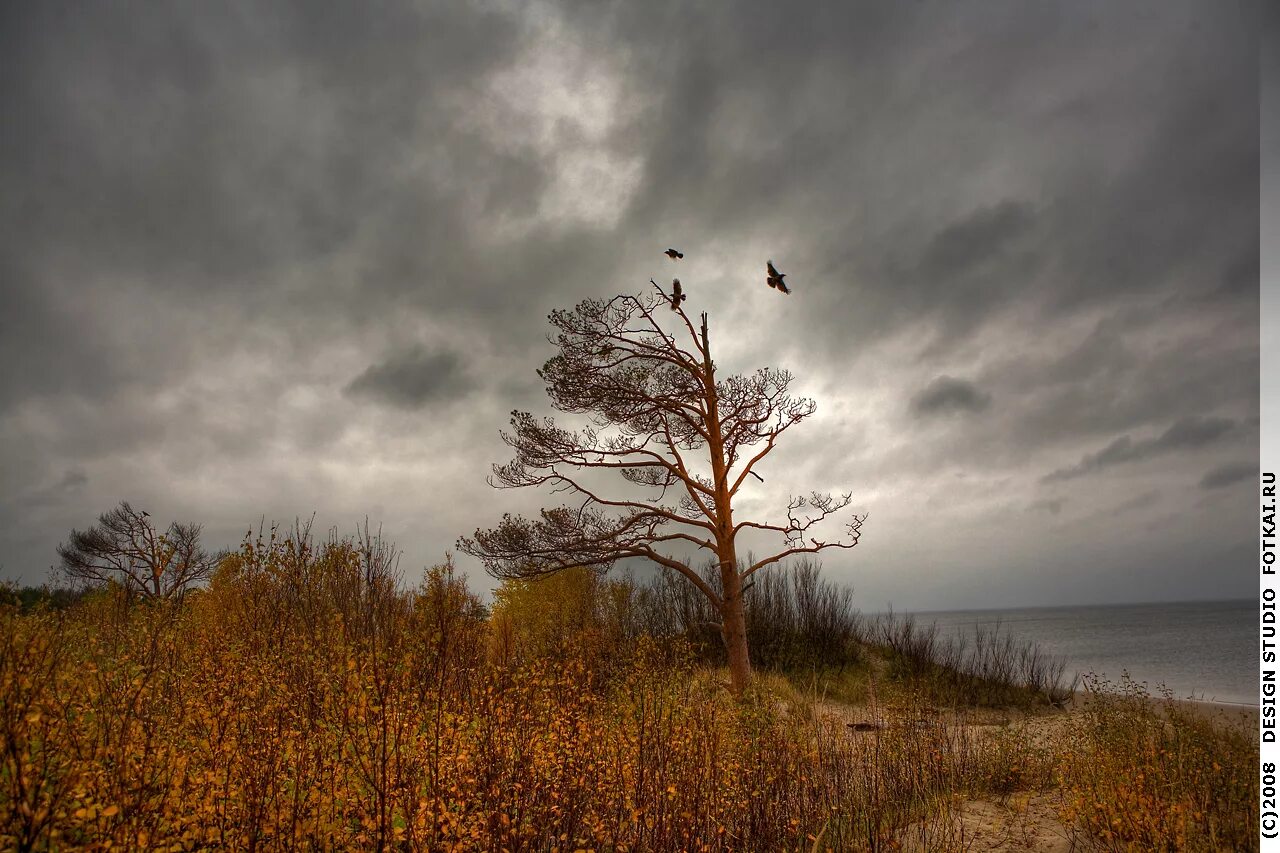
[162, 733]
[1144, 774]
[303, 702]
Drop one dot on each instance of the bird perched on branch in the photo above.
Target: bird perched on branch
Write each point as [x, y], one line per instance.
[677, 294]
[774, 279]
[673, 254]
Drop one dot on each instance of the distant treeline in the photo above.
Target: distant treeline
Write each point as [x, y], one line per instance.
[27, 598]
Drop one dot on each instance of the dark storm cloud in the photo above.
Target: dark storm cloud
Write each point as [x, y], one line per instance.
[1241, 276]
[413, 379]
[67, 485]
[72, 480]
[1108, 216]
[1226, 475]
[1189, 433]
[1125, 374]
[947, 394]
[966, 244]
[221, 224]
[1052, 506]
[198, 153]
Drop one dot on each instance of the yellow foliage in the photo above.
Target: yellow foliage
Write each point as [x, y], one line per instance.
[1140, 774]
[302, 702]
[544, 616]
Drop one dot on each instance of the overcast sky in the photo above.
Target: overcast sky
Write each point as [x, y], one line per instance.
[270, 259]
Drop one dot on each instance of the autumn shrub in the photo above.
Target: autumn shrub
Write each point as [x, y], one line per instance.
[449, 633]
[36, 777]
[306, 701]
[1154, 774]
[95, 750]
[545, 617]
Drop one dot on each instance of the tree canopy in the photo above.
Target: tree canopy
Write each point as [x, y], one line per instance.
[126, 547]
[659, 416]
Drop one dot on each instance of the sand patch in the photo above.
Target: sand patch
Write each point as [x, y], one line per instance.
[1023, 822]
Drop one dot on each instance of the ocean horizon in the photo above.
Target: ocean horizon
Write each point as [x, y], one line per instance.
[1201, 650]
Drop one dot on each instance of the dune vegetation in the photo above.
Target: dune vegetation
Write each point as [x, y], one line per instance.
[305, 698]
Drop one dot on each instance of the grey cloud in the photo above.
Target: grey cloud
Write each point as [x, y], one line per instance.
[948, 394]
[1052, 506]
[1229, 474]
[199, 154]
[210, 212]
[1126, 376]
[72, 480]
[68, 486]
[1188, 433]
[1107, 225]
[413, 379]
[1241, 275]
[978, 236]
[1193, 432]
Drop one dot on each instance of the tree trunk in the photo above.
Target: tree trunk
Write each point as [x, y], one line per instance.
[734, 628]
[732, 619]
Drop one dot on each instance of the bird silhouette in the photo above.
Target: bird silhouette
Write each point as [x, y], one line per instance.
[146, 514]
[774, 279]
[673, 254]
[677, 294]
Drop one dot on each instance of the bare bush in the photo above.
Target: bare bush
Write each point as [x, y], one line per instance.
[125, 547]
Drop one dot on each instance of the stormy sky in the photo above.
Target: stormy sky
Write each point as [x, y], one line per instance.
[264, 260]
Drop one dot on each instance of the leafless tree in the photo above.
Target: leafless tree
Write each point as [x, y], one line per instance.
[125, 546]
[660, 417]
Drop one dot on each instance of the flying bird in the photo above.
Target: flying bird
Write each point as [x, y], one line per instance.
[673, 254]
[677, 294]
[774, 279]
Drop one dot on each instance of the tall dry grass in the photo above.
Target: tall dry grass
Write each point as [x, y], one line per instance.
[796, 619]
[306, 700]
[1144, 773]
[988, 667]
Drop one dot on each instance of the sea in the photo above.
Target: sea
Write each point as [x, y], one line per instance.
[1202, 650]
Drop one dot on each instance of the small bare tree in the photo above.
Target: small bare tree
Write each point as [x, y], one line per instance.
[125, 546]
[661, 418]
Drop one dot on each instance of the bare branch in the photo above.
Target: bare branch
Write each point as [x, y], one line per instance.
[126, 547]
[853, 531]
[654, 405]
